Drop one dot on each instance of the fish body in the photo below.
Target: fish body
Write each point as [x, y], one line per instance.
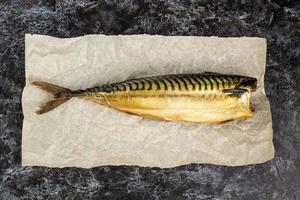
[201, 98]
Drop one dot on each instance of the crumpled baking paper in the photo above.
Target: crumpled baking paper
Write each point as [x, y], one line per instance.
[83, 134]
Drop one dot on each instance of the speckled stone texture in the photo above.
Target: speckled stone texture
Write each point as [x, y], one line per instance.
[278, 21]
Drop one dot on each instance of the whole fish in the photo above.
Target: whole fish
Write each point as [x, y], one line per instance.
[203, 98]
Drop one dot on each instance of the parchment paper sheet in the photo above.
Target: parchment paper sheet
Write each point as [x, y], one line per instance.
[83, 134]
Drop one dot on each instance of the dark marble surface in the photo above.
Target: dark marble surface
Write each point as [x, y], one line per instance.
[278, 21]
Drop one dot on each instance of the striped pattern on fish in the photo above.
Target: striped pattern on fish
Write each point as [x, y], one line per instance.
[204, 97]
[174, 82]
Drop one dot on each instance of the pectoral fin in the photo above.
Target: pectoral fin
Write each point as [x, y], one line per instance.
[237, 92]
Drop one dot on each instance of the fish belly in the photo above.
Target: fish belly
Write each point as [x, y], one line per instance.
[212, 108]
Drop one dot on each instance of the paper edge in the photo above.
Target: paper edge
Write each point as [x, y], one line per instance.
[29, 35]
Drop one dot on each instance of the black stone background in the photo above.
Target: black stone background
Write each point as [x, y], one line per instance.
[278, 21]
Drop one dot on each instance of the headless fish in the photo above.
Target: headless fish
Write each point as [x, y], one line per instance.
[202, 98]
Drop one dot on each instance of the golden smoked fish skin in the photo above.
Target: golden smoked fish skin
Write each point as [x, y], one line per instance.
[201, 98]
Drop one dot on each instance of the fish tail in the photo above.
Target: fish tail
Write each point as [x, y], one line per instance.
[60, 94]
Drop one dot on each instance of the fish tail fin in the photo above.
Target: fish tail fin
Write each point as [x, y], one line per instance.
[60, 94]
[52, 104]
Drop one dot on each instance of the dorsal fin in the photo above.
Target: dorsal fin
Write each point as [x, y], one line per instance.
[211, 73]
